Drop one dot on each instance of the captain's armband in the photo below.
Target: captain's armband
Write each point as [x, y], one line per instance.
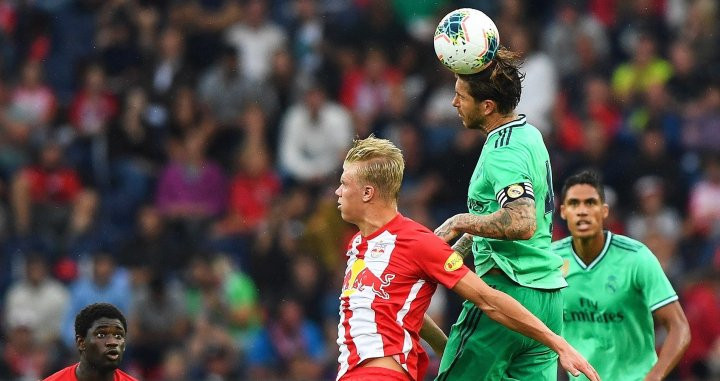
[514, 192]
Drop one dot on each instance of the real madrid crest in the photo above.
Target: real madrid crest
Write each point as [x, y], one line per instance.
[515, 191]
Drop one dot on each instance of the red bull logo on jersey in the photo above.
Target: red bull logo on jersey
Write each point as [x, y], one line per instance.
[378, 250]
[360, 278]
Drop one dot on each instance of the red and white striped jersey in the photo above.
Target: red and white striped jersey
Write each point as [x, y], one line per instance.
[390, 277]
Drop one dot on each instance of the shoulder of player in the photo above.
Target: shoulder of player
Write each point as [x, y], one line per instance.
[122, 376]
[513, 138]
[631, 247]
[414, 230]
[62, 374]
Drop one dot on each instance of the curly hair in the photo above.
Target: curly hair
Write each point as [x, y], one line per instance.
[88, 315]
[501, 81]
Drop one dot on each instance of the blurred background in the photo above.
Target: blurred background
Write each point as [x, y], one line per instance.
[178, 158]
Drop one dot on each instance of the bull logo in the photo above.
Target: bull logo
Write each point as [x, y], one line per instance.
[360, 278]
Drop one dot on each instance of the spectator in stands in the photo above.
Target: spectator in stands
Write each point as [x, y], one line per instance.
[253, 189]
[701, 301]
[367, 91]
[191, 190]
[704, 210]
[158, 321]
[205, 22]
[151, 248]
[570, 25]
[33, 104]
[226, 91]
[541, 79]
[175, 366]
[632, 79]
[313, 137]
[700, 130]
[92, 109]
[167, 72]
[36, 301]
[290, 347]
[47, 188]
[256, 39]
[22, 357]
[106, 283]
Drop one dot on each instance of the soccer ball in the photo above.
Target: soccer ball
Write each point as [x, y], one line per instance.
[466, 40]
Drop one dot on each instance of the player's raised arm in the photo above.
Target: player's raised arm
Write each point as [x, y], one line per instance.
[515, 220]
[510, 313]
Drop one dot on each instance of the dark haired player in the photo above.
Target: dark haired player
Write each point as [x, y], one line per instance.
[100, 331]
[616, 289]
[507, 229]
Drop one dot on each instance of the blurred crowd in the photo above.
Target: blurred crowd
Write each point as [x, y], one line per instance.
[178, 159]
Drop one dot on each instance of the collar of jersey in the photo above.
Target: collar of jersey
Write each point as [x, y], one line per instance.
[383, 228]
[520, 121]
[608, 237]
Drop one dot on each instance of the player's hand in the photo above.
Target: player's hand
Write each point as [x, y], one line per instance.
[446, 230]
[574, 363]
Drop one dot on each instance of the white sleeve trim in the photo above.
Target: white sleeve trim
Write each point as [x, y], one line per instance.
[663, 303]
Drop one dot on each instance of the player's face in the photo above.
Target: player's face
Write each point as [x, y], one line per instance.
[467, 107]
[584, 211]
[350, 194]
[104, 344]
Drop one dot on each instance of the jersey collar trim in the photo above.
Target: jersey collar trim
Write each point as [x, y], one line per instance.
[608, 238]
[519, 122]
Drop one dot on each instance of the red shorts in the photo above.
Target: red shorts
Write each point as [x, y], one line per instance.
[366, 373]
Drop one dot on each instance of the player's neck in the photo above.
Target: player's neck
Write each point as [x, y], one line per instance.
[589, 248]
[85, 372]
[496, 120]
[376, 217]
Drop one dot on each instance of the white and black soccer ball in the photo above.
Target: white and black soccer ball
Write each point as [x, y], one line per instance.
[466, 41]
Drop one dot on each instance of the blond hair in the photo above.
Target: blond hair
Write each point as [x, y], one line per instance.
[384, 164]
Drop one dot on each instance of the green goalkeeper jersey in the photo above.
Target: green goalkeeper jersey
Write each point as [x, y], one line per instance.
[608, 306]
[514, 163]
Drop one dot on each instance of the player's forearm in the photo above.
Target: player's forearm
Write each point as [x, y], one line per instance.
[463, 246]
[507, 311]
[516, 220]
[675, 344]
[433, 335]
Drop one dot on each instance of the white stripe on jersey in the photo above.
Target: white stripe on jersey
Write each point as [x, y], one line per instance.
[359, 313]
[408, 344]
[344, 351]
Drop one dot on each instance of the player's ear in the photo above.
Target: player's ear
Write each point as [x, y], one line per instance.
[606, 211]
[488, 106]
[368, 193]
[562, 212]
[80, 342]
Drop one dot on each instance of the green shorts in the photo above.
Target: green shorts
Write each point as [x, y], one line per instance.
[480, 348]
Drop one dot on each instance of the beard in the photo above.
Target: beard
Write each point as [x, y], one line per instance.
[475, 123]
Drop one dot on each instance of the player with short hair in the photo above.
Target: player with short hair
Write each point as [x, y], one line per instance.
[507, 229]
[100, 331]
[393, 267]
[616, 288]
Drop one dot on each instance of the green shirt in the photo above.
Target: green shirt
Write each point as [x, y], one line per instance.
[514, 159]
[609, 304]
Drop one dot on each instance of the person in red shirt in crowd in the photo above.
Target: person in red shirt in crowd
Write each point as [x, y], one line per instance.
[394, 265]
[47, 189]
[93, 106]
[100, 331]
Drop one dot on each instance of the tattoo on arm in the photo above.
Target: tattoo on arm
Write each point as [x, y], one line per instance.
[516, 220]
[463, 246]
